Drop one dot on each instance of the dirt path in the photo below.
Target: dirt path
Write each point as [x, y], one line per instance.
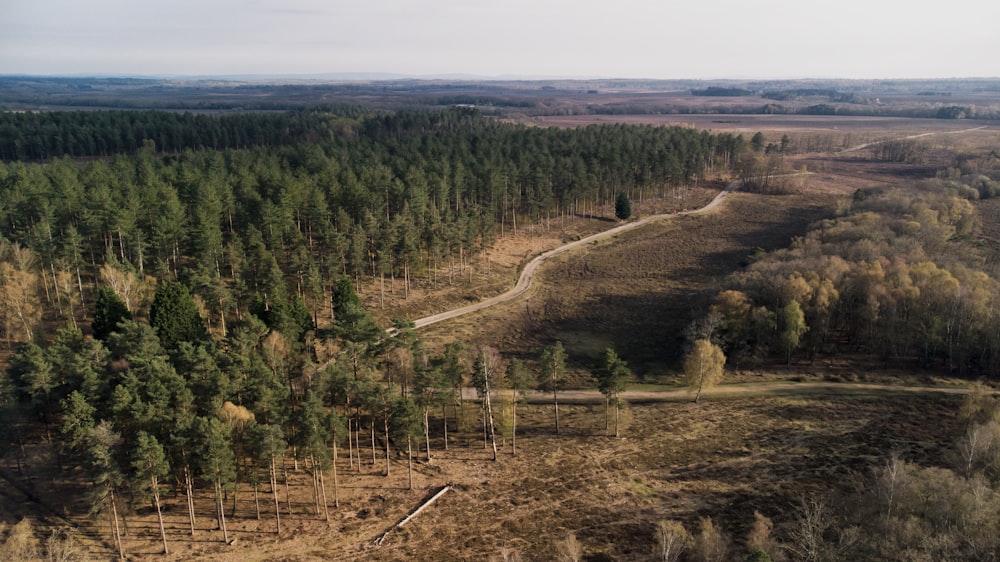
[873, 143]
[674, 394]
[528, 274]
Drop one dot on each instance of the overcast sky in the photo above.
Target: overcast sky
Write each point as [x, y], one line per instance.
[535, 38]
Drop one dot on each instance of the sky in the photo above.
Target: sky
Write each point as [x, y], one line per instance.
[664, 39]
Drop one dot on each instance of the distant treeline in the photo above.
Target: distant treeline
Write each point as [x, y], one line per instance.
[722, 92]
[44, 135]
[844, 108]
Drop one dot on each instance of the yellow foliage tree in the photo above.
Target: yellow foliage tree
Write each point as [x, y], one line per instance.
[703, 366]
[20, 303]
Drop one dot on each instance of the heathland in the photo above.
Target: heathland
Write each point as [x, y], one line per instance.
[210, 348]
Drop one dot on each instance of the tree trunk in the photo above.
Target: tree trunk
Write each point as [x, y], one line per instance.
[618, 409]
[488, 412]
[350, 443]
[159, 514]
[555, 405]
[513, 425]
[190, 496]
[386, 427]
[117, 530]
[315, 477]
[322, 488]
[427, 433]
[336, 484]
[288, 495]
[607, 411]
[445, 416]
[256, 499]
[236, 491]
[409, 462]
[274, 493]
[220, 504]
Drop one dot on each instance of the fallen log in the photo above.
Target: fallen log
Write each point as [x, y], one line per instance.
[414, 513]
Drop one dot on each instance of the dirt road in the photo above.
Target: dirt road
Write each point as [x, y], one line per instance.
[528, 274]
[785, 388]
[873, 143]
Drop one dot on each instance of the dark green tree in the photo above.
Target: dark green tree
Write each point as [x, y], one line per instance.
[405, 424]
[312, 435]
[431, 390]
[623, 207]
[102, 467]
[77, 422]
[217, 464]
[612, 374]
[552, 374]
[210, 384]
[33, 377]
[149, 468]
[351, 321]
[175, 315]
[520, 381]
[453, 367]
[109, 310]
[269, 444]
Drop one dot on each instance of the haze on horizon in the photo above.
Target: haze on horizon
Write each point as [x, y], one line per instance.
[666, 39]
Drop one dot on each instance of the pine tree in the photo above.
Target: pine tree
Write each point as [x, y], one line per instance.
[109, 310]
[612, 374]
[150, 467]
[623, 207]
[175, 315]
[552, 374]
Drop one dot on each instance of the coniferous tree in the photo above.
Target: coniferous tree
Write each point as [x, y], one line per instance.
[552, 374]
[102, 466]
[150, 467]
[405, 425]
[217, 464]
[109, 310]
[612, 373]
[623, 207]
[175, 315]
[520, 381]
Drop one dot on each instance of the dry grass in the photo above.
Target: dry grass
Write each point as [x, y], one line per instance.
[676, 460]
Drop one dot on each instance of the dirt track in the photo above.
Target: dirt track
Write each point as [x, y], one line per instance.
[528, 274]
[673, 394]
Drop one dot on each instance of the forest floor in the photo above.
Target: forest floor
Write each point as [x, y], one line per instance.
[736, 452]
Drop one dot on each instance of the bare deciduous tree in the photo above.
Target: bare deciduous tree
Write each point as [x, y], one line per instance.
[672, 539]
[711, 544]
[569, 549]
[812, 521]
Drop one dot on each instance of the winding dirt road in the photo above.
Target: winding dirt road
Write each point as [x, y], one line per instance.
[528, 274]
